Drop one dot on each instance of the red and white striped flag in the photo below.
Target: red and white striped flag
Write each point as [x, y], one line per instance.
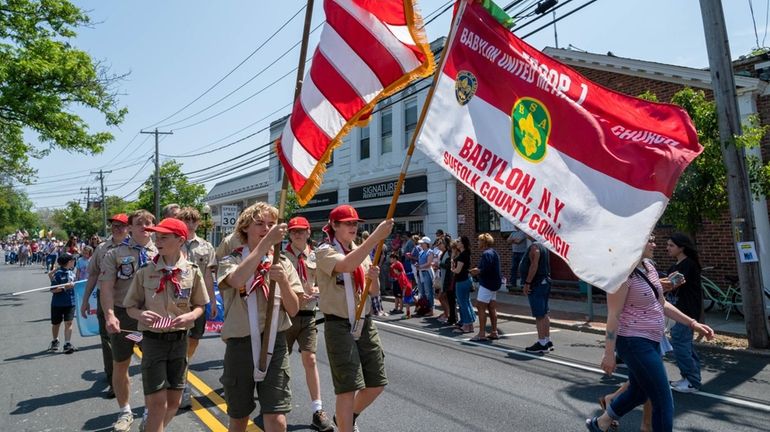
[369, 49]
[162, 323]
[135, 337]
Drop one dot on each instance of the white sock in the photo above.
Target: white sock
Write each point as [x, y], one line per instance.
[543, 341]
[317, 405]
[126, 409]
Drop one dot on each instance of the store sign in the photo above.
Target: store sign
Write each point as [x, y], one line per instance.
[387, 188]
[323, 199]
[229, 215]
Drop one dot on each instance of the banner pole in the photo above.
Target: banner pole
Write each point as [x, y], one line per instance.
[409, 152]
[45, 288]
[284, 190]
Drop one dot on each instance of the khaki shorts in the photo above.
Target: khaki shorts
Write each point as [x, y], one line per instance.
[355, 364]
[274, 392]
[164, 364]
[303, 331]
[122, 348]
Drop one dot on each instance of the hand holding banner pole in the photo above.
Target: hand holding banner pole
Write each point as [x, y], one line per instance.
[284, 188]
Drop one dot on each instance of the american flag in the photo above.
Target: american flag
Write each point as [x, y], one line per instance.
[162, 323]
[369, 49]
[134, 337]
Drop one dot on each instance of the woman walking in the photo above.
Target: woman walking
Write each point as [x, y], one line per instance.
[635, 328]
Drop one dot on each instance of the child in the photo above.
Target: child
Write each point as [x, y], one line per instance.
[82, 263]
[63, 303]
[168, 289]
[396, 270]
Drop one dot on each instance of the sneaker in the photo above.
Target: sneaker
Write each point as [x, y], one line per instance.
[143, 424]
[123, 424]
[397, 312]
[321, 421]
[69, 348]
[537, 347]
[677, 383]
[355, 426]
[110, 393]
[186, 399]
[549, 345]
[684, 387]
[54, 346]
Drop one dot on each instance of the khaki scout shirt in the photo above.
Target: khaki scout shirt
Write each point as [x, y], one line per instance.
[330, 283]
[167, 303]
[236, 312]
[120, 265]
[201, 253]
[96, 261]
[231, 242]
[311, 268]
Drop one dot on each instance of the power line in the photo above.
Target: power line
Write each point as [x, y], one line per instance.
[231, 70]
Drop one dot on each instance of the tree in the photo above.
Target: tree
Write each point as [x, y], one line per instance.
[702, 189]
[42, 78]
[76, 221]
[16, 212]
[174, 188]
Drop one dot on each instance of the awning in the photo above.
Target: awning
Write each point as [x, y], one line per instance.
[378, 212]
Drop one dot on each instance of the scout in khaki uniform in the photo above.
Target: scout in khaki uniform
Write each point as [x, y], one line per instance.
[357, 364]
[201, 253]
[119, 230]
[303, 329]
[166, 298]
[118, 270]
[244, 277]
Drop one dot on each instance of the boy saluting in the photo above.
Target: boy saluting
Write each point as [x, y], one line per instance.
[165, 297]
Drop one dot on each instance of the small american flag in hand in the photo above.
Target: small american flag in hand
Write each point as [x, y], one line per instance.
[135, 337]
[162, 323]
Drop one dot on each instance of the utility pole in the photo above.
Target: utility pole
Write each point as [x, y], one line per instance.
[104, 201]
[88, 195]
[738, 192]
[157, 170]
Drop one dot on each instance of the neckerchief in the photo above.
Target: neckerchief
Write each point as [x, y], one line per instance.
[352, 295]
[142, 252]
[260, 280]
[301, 266]
[169, 275]
[253, 311]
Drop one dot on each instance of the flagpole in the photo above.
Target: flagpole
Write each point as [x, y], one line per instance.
[46, 287]
[284, 190]
[409, 152]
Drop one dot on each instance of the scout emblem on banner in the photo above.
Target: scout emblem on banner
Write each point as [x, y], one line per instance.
[583, 169]
[368, 51]
[88, 326]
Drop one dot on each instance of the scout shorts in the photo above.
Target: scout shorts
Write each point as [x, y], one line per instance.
[355, 365]
[122, 348]
[303, 331]
[164, 362]
[274, 392]
[199, 327]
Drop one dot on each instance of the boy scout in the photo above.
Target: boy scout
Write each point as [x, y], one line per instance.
[118, 269]
[119, 231]
[244, 278]
[168, 287]
[357, 365]
[201, 253]
[303, 328]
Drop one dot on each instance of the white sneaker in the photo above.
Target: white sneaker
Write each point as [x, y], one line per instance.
[684, 387]
[677, 382]
[186, 402]
[123, 424]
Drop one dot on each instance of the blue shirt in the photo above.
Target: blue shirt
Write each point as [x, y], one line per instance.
[490, 276]
[67, 297]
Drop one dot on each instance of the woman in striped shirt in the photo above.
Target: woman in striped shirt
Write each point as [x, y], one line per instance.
[635, 324]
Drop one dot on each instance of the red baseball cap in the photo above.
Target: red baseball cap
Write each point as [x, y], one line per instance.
[344, 213]
[170, 226]
[120, 217]
[299, 223]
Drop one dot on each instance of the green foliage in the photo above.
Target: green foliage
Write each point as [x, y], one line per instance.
[42, 79]
[759, 173]
[74, 220]
[174, 188]
[702, 189]
[16, 212]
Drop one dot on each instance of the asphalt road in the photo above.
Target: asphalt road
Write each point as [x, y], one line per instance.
[439, 381]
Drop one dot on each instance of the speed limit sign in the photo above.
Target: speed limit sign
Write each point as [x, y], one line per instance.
[229, 215]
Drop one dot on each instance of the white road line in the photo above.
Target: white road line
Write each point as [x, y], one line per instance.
[545, 358]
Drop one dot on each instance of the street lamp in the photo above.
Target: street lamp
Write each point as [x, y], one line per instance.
[206, 214]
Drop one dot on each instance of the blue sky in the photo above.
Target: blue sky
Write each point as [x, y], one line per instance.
[176, 49]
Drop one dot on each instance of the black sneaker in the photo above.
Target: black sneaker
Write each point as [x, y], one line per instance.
[396, 312]
[549, 345]
[54, 346]
[69, 348]
[537, 347]
[321, 421]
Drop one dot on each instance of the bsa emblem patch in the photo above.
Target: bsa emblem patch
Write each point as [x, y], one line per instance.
[466, 85]
[531, 127]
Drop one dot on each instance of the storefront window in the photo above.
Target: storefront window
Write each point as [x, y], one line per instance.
[363, 143]
[387, 131]
[410, 120]
[486, 218]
